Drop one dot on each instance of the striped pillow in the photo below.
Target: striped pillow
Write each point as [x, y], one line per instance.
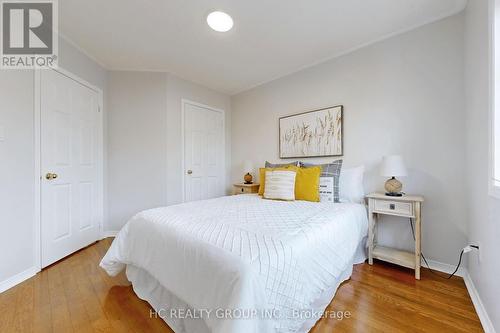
[280, 185]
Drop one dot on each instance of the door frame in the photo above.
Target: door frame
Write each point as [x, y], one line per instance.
[38, 166]
[184, 102]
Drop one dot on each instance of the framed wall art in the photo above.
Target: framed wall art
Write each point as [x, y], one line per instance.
[316, 133]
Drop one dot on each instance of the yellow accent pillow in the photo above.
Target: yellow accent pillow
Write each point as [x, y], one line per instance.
[262, 176]
[307, 184]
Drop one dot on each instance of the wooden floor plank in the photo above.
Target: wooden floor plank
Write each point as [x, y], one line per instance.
[24, 307]
[42, 311]
[80, 319]
[61, 320]
[75, 295]
[8, 309]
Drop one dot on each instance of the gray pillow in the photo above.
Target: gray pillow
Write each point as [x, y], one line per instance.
[329, 183]
[272, 165]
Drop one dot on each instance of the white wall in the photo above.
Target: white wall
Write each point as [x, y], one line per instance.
[484, 211]
[402, 95]
[74, 60]
[137, 158]
[17, 158]
[17, 166]
[145, 152]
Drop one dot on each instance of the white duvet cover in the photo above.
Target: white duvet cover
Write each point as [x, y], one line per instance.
[250, 264]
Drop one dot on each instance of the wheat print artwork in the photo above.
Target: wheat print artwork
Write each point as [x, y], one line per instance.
[312, 134]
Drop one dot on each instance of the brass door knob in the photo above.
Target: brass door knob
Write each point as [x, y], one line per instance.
[189, 172]
[50, 176]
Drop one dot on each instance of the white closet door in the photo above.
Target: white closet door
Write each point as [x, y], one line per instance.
[70, 218]
[203, 153]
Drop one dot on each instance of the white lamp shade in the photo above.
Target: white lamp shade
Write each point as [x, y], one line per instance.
[393, 166]
[248, 166]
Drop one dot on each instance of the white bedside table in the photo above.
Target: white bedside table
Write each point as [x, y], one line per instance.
[406, 206]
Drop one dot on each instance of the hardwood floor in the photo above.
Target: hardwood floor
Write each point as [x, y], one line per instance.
[75, 295]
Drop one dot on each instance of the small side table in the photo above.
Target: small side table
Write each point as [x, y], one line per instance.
[246, 188]
[408, 206]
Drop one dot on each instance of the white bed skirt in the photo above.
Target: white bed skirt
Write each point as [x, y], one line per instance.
[162, 300]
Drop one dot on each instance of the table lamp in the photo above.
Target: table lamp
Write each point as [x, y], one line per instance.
[393, 166]
[248, 169]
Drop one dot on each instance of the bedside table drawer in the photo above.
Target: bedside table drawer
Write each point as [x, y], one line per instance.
[246, 188]
[394, 207]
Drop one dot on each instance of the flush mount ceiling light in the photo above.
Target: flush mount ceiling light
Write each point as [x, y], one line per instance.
[220, 21]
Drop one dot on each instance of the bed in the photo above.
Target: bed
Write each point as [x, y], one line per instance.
[240, 263]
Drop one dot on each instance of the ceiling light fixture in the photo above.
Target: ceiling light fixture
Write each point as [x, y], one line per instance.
[220, 21]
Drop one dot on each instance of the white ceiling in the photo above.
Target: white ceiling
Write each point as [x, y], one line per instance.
[270, 38]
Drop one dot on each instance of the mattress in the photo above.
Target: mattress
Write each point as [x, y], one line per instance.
[243, 254]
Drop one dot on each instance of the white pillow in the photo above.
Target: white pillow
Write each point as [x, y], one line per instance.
[351, 185]
[280, 185]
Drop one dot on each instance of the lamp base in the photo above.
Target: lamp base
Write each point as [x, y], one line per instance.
[393, 187]
[248, 178]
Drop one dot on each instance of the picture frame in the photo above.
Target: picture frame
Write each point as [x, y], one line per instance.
[316, 133]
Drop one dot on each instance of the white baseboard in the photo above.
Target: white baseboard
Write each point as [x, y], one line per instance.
[445, 268]
[471, 288]
[18, 278]
[30, 272]
[478, 304]
[109, 233]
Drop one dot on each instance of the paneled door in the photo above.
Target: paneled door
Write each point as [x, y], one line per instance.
[203, 152]
[70, 162]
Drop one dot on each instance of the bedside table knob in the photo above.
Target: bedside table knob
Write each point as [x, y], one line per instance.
[189, 172]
